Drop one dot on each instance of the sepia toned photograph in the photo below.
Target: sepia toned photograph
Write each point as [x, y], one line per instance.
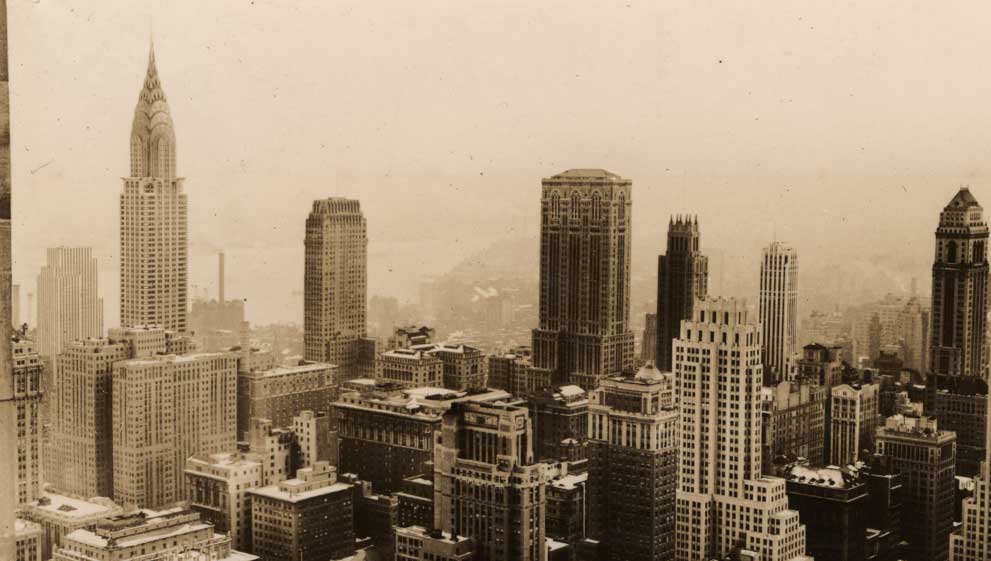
[340, 280]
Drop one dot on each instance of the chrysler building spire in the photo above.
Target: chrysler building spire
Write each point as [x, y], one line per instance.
[152, 132]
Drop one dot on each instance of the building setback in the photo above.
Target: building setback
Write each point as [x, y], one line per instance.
[585, 235]
[925, 456]
[957, 388]
[779, 309]
[682, 278]
[633, 466]
[486, 484]
[154, 243]
[724, 502]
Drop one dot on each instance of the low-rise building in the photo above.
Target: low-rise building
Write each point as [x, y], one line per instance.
[148, 535]
[59, 515]
[307, 518]
[411, 368]
[464, 366]
[417, 543]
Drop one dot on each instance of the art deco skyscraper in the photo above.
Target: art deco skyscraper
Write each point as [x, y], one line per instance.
[724, 502]
[69, 307]
[153, 224]
[957, 383]
[586, 226]
[487, 485]
[779, 308]
[682, 277]
[335, 284]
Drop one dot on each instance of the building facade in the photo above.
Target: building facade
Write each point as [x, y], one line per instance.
[487, 485]
[957, 385]
[633, 466]
[682, 278]
[560, 423]
[416, 543]
[166, 409]
[973, 541]
[148, 535]
[464, 366]
[724, 502]
[410, 367]
[69, 306]
[154, 243]
[833, 505]
[282, 392]
[217, 488]
[28, 372]
[854, 414]
[335, 290]
[779, 308]
[307, 518]
[925, 456]
[585, 256]
[793, 422]
[58, 515]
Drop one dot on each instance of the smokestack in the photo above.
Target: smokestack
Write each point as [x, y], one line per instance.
[220, 280]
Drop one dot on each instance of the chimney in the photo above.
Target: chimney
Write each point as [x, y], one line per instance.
[220, 279]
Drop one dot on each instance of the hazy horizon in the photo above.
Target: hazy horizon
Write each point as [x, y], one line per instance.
[810, 124]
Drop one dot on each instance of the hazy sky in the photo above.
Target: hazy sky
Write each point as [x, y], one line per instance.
[842, 126]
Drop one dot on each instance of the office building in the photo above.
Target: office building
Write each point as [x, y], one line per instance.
[682, 278]
[335, 290]
[567, 503]
[793, 423]
[724, 502]
[585, 256]
[315, 440]
[386, 433]
[28, 372]
[779, 309]
[487, 485]
[28, 539]
[820, 364]
[560, 423]
[217, 488]
[307, 518]
[511, 372]
[58, 515]
[148, 535]
[648, 342]
[925, 456]
[417, 543]
[832, 503]
[410, 367]
[957, 386]
[282, 392]
[463, 365]
[633, 465]
[166, 409]
[415, 501]
[854, 414]
[154, 244]
[973, 541]
[69, 306]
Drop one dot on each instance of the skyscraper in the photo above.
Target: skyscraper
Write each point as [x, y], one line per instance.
[153, 225]
[682, 277]
[69, 307]
[925, 456]
[724, 501]
[957, 386]
[973, 541]
[586, 227]
[779, 308]
[487, 486]
[27, 395]
[633, 466]
[335, 284]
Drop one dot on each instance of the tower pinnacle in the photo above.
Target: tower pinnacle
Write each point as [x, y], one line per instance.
[153, 145]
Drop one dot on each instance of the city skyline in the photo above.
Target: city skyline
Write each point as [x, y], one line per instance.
[478, 171]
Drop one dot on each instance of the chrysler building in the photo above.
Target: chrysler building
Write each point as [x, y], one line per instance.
[153, 224]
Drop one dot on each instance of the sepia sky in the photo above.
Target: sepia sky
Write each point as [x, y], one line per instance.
[841, 127]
